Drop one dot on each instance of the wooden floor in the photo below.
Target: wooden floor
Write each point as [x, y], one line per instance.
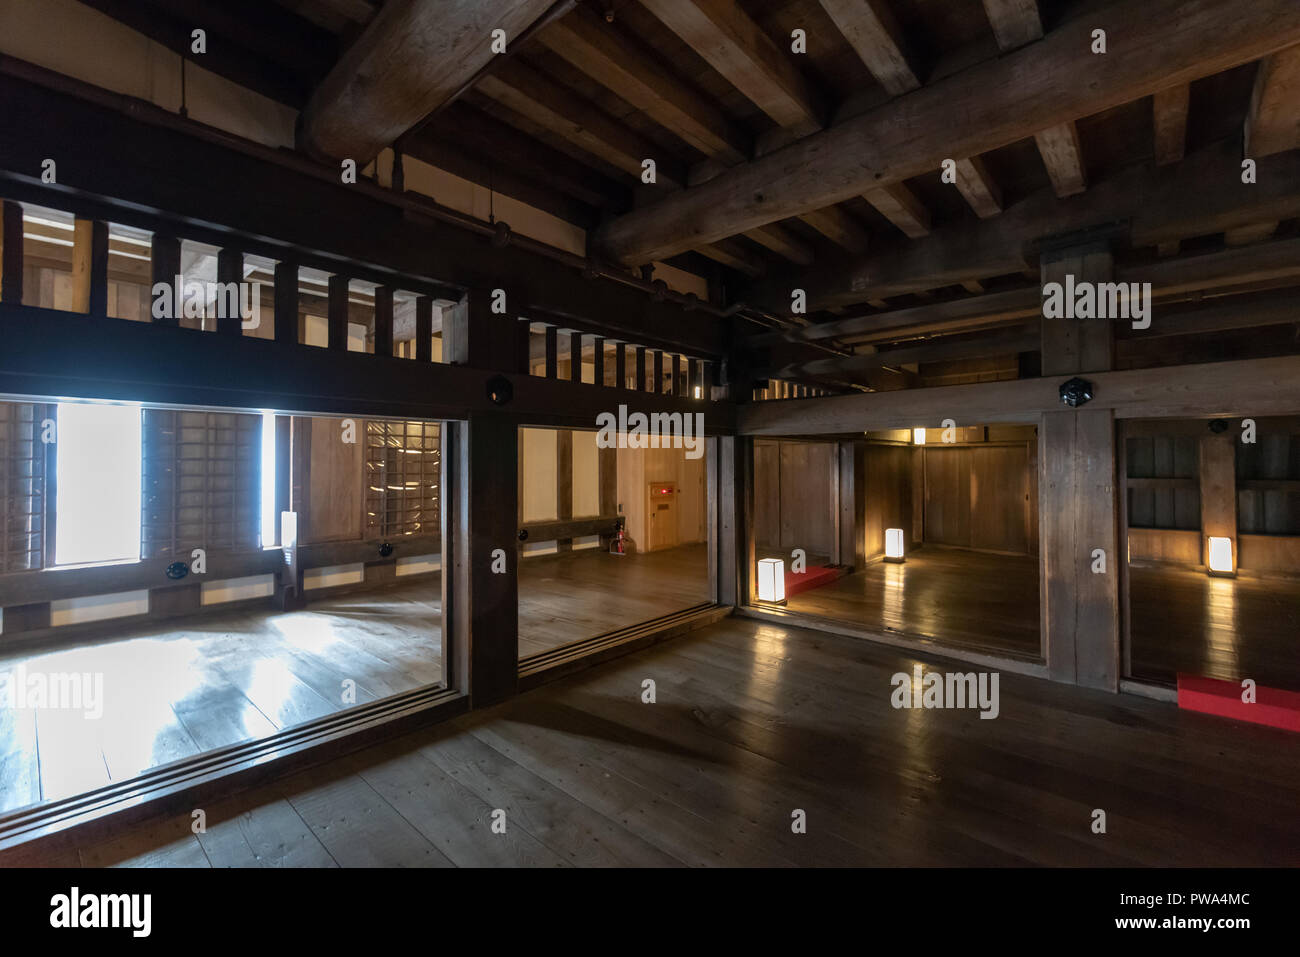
[581, 594]
[751, 722]
[1182, 620]
[965, 599]
[179, 688]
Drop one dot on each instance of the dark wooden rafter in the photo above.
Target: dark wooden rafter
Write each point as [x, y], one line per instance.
[987, 106]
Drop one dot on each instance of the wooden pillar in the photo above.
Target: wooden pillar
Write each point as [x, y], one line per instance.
[283, 469]
[11, 254]
[286, 301]
[474, 336]
[735, 509]
[230, 269]
[423, 329]
[384, 321]
[1077, 495]
[1073, 346]
[607, 478]
[640, 368]
[90, 267]
[564, 483]
[620, 365]
[552, 352]
[598, 360]
[338, 313]
[1217, 464]
[484, 610]
[852, 500]
[575, 357]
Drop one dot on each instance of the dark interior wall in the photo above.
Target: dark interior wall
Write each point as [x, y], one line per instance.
[889, 494]
[982, 495]
[794, 495]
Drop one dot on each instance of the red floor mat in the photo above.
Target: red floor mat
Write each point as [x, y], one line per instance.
[812, 578]
[1272, 706]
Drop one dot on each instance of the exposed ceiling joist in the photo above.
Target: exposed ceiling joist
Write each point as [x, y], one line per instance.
[900, 206]
[1273, 123]
[734, 45]
[998, 344]
[1151, 201]
[1169, 117]
[839, 227]
[412, 58]
[874, 33]
[978, 187]
[990, 105]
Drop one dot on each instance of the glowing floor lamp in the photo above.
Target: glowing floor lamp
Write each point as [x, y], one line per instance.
[771, 581]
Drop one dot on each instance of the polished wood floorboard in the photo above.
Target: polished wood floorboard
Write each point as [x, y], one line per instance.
[178, 688]
[1182, 620]
[581, 594]
[965, 599]
[752, 721]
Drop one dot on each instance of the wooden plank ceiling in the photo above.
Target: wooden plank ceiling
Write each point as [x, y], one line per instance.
[817, 170]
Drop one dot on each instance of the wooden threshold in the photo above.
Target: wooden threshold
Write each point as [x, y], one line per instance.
[182, 785]
[555, 663]
[913, 643]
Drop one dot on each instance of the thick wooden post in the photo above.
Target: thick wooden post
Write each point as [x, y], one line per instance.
[607, 471]
[423, 329]
[1079, 534]
[230, 271]
[735, 508]
[485, 607]
[286, 301]
[338, 312]
[384, 321]
[90, 267]
[852, 504]
[11, 256]
[1217, 465]
[564, 483]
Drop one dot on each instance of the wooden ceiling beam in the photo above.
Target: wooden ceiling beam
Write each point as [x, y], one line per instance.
[978, 187]
[1169, 117]
[872, 30]
[734, 45]
[990, 105]
[630, 72]
[998, 344]
[782, 242]
[549, 104]
[900, 206]
[1063, 157]
[1273, 123]
[731, 254]
[412, 58]
[1151, 202]
[839, 227]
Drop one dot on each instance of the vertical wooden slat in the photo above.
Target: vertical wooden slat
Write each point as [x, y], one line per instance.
[620, 365]
[286, 302]
[90, 267]
[575, 357]
[338, 312]
[384, 321]
[552, 352]
[11, 257]
[640, 368]
[691, 378]
[657, 385]
[164, 267]
[423, 329]
[598, 360]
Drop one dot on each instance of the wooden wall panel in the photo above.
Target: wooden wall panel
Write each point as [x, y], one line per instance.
[1218, 475]
[947, 496]
[1176, 546]
[809, 475]
[888, 494]
[767, 494]
[999, 491]
[336, 473]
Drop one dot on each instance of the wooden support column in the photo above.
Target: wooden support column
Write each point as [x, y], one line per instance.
[620, 365]
[474, 336]
[1217, 465]
[575, 357]
[552, 352]
[852, 504]
[484, 610]
[283, 470]
[230, 269]
[423, 329]
[1072, 346]
[1077, 494]
[640, 368]
[165, 266]
[564, 484]
[90, 267]
[338, 313]
[286, 301]
[735, 509]
[607, 479]
[11, 252]
[384, 321]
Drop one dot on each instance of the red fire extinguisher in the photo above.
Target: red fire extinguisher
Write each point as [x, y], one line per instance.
[619, 545]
